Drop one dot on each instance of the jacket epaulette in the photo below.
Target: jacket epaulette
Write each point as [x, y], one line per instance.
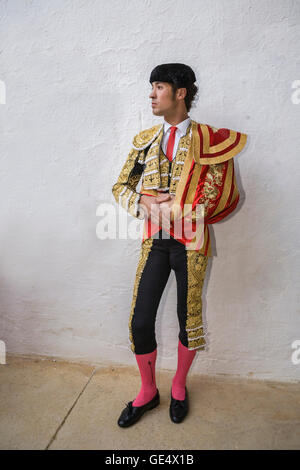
[144, 138]
[219, 144]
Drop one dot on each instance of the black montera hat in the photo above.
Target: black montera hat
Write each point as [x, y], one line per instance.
[180, 74]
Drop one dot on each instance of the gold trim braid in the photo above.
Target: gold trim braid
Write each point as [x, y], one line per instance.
[196, 269]
[144, 253]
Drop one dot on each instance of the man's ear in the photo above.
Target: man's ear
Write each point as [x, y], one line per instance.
[181, 92]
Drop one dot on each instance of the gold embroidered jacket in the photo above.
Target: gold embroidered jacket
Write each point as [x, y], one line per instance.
[202, 172]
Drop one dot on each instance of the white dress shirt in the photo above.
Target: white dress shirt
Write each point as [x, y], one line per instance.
[180, 132]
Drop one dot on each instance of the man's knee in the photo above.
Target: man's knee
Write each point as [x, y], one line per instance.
[141, 326]
[143, 335]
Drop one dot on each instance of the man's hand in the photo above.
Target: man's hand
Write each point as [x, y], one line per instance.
[165, 212]
[146, 203]
[158, 208]
[162, 210]
[163, 197]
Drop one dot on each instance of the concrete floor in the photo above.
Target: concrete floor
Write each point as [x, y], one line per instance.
[46, 404]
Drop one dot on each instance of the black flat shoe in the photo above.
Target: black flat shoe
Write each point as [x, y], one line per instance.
[131, 414]
[179, 408]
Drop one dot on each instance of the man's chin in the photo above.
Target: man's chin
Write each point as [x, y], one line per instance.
[156, 112]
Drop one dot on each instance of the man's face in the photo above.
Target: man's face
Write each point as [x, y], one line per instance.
[162, 98]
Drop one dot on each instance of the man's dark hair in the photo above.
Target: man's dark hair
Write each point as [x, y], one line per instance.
[179, 76]
[191, 91]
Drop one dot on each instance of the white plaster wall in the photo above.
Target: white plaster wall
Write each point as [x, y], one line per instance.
[76, 76]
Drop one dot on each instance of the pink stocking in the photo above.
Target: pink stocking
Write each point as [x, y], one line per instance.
[185, 359]
[146, 363]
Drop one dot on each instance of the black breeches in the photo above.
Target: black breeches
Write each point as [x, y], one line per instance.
[157, 257]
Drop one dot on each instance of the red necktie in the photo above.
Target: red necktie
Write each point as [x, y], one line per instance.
[171, 143]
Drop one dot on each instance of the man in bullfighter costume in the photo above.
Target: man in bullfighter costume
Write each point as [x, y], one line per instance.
[184, 165]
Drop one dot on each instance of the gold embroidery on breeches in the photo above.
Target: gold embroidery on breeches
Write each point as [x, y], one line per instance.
[196, 269]
[144, 253]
